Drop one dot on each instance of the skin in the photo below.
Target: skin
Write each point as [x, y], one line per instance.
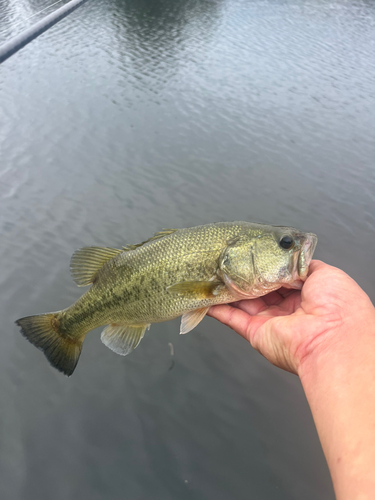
[325, 334]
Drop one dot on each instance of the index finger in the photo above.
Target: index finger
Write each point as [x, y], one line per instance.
[238, 320]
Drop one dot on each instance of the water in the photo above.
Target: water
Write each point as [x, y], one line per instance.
[131, 116]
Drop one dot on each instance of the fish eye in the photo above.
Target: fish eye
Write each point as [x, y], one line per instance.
[286, 242]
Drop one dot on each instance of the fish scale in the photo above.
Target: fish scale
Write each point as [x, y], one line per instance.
[176, 272]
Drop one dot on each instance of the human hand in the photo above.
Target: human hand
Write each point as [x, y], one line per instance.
[324, 333]
[289, 326]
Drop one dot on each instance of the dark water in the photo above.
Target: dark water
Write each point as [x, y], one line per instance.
[130, 116]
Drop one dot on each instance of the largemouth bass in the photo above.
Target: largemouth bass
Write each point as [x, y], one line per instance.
[175, 272]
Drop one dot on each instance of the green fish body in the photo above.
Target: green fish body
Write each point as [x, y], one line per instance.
[177, 272]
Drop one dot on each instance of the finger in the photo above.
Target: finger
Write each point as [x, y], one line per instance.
[254, 306]
[251, 306]
[236, 319]
[285, 292]
[286, 307]
[231, 316]
[318, 265]
[273, 298]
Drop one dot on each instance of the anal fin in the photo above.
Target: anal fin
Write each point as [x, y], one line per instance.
[123, 339]
[191, 319]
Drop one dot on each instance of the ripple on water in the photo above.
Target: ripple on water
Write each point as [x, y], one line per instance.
[130, 116]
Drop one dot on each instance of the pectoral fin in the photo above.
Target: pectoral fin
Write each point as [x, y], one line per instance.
[191, 319]
[123, 339]
[196, 289]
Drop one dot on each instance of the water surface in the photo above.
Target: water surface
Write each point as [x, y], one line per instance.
[130, 116]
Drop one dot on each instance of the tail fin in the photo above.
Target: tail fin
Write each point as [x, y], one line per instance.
[43, 331]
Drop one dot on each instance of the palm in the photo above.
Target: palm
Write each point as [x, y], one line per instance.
[285, 324]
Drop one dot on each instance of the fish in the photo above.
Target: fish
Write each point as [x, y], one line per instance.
[176, 272]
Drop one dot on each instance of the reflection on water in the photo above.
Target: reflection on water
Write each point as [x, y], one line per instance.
[154, 39]
[128, 117]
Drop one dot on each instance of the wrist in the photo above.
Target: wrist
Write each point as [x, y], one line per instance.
[338, 378]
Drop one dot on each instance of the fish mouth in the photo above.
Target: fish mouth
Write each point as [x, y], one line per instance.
[301, 261]
[305, 255]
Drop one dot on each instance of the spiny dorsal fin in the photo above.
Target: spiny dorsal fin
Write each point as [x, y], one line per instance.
[123, 339]
[196, 289]
[87, 261]
[160, 234]
[191, 319]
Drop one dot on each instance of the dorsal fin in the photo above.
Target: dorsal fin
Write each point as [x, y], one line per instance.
[158, 235]
[87, 261]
